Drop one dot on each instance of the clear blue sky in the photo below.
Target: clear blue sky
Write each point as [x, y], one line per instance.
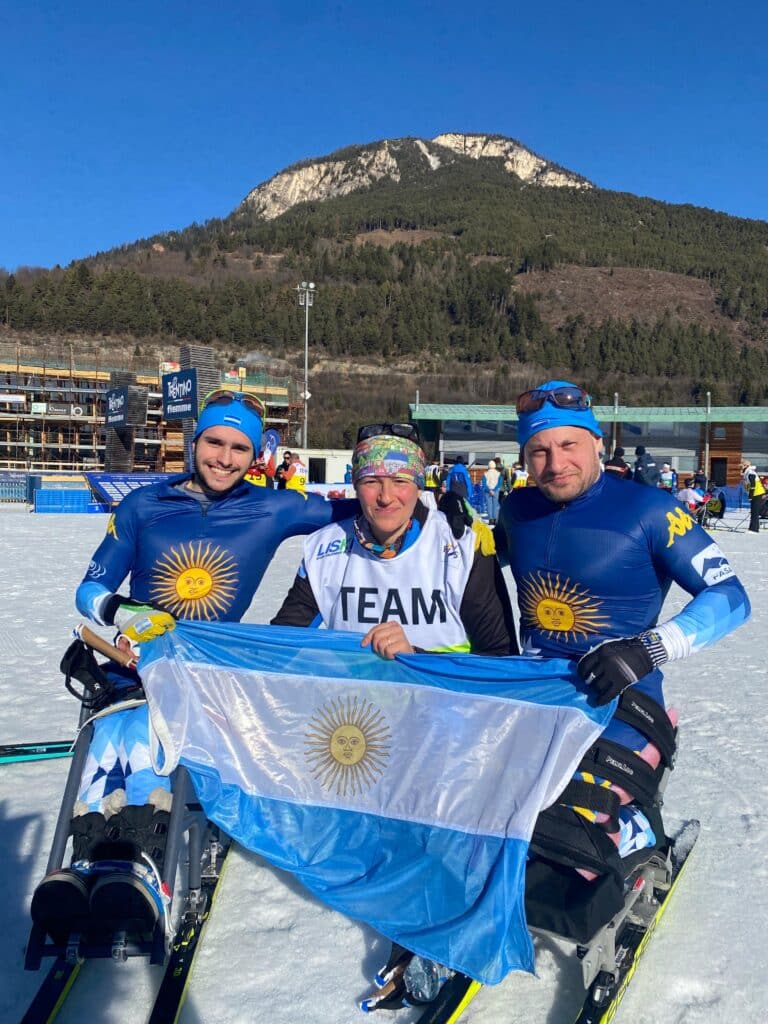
[122, 120]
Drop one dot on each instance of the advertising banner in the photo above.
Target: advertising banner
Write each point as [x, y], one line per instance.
[180, 395]
[116, 408]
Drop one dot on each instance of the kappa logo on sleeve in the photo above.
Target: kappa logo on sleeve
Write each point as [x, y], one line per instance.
[712, 565]
[679, 524]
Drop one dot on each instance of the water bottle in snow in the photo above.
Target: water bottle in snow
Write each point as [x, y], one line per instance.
[423, 979]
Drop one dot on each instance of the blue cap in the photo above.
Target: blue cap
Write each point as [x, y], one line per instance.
[235, 415]
[549, 415]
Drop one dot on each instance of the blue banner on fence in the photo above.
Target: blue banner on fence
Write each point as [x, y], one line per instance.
[111, 488]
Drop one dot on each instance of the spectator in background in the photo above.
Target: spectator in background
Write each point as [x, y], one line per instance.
[668, 480]
[617, 467]
[700, 479]
[458, 480]
[689, 495]
[491, 487]
[753, 485]
[646, 470]
[282, 469]
[506, 480]
[519, 476]
[257, 474]
[433, 479]
[297, 474]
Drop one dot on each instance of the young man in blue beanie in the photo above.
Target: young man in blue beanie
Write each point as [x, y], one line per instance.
[196, 546]
[593, 561]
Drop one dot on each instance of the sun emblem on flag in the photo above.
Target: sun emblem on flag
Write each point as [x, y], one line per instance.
[347, 746]
[195, 581]
[559, 608]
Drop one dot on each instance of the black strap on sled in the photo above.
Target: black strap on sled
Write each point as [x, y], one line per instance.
[622, 766]
[96, 690]
[599, 799]
[566, 837]
[648, 717]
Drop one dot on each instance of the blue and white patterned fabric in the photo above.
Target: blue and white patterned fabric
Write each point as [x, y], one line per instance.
[118, 758]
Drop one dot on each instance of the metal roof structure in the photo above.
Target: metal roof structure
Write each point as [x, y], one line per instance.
[423, 412]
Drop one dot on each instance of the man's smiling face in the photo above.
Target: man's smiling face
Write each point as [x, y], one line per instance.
[564, 461]
[223, 456]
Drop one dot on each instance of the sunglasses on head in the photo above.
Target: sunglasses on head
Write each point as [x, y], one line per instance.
[566, 397]
[407, 430]
[222, 396]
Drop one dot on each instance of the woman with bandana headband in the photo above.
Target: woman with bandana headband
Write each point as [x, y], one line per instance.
[395, 573]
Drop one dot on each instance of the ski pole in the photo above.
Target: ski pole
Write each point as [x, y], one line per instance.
[11, 753]
[98, 643]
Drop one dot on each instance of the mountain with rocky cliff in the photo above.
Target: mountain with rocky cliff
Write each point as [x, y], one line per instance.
[465, 265]
[397, 160]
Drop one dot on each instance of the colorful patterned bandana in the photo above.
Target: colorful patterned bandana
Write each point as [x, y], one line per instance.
[388, 456]
[366, 539]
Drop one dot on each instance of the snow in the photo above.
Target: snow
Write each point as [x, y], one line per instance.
[272, 950]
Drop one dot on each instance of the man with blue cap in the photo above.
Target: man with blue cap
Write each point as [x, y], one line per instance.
[593, 559]
[196, 546]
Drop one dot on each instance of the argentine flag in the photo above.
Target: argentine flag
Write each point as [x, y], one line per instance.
[402, 793]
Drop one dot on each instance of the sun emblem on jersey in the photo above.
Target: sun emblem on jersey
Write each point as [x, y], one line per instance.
[559, 609]
[347, 746]
[195, 581]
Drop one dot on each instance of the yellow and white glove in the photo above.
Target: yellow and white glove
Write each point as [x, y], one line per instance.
[140, 622]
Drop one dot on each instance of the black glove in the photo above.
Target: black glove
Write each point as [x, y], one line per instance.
[615, 665]
[455, 511]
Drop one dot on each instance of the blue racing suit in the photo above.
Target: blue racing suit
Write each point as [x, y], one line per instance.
[599, 568]
[195, 560]
[198, 561]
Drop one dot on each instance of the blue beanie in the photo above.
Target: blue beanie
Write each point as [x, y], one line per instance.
[549, 415]
[234, 414]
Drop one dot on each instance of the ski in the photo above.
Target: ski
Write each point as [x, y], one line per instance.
[52, 992]
[457, 993]
[451, 1001]
[173, 987]
[62, 975]
[606, 994]
[13, 753]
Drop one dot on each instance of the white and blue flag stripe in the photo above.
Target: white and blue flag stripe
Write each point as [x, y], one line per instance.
[401, 793]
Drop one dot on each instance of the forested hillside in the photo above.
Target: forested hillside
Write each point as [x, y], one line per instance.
[465, 284]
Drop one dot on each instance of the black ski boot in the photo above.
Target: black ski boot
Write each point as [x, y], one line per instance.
[60, 904]
[126, 897]
[126, 892]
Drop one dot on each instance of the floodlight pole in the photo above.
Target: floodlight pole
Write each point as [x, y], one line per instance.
[306, 293]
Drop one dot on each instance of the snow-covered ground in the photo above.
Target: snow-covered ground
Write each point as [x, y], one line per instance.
[273, 952]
